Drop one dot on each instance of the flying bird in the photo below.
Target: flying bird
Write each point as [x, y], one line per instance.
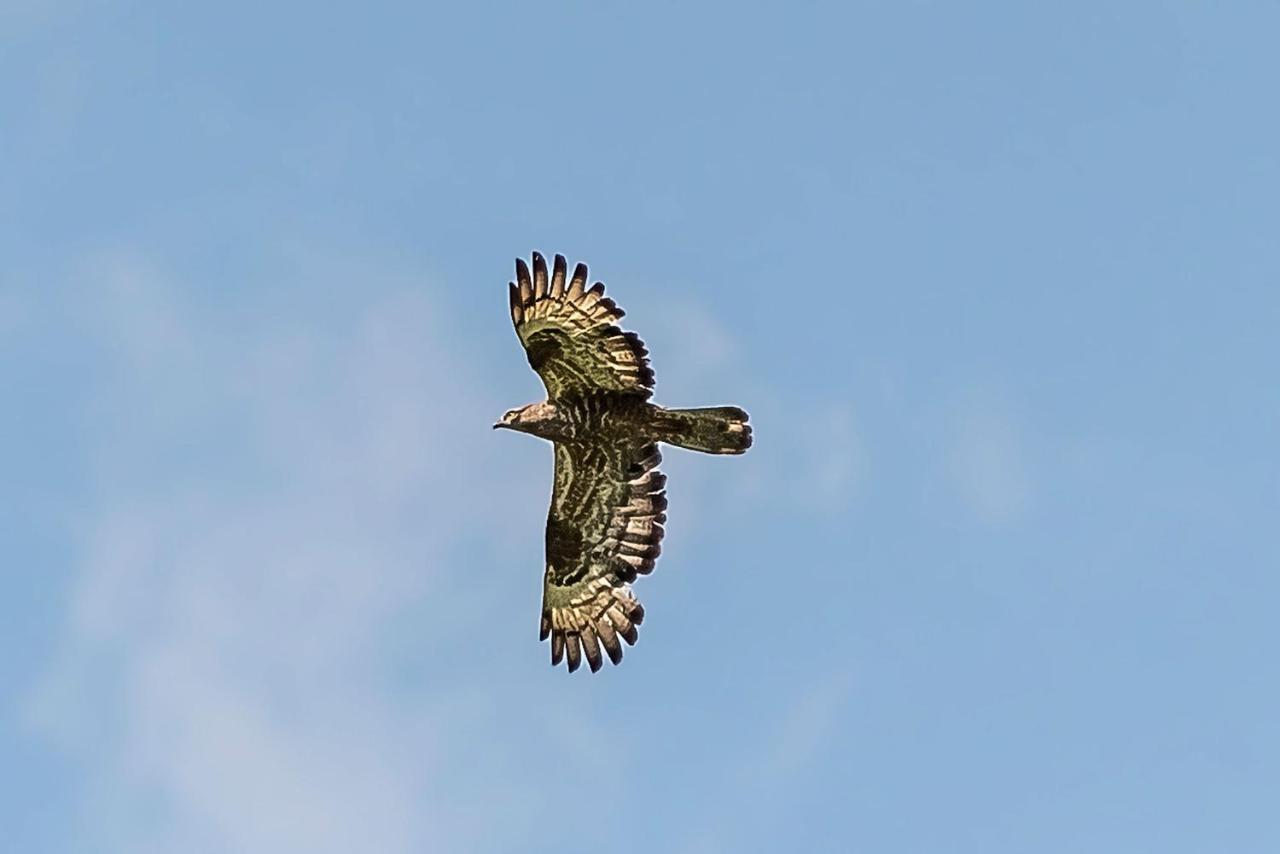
[608, 502]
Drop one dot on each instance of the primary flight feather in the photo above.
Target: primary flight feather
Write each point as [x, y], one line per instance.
[608, 503]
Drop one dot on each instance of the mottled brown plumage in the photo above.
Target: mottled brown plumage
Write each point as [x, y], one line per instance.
[608, 503]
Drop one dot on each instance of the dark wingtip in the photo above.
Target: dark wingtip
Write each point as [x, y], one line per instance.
[539, 276]
[557, 278]
[573, 650]
[591, 648]
[515, 303]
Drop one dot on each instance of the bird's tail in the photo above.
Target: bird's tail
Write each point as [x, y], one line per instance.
[712, 430]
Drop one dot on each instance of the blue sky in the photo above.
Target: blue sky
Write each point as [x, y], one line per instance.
[997, 282]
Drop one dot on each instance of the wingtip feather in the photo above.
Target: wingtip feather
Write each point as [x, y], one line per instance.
[578, 283]
[573, 650]
[609, 640]
[557, 277]
[517, 310]
[526, 285]
[539, 276]
[591, 647]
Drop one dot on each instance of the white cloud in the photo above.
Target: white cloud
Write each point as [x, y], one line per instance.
[808, 726]
[783, 754]
[694, 341]
[809, 453]
[269, 511]
[284, 632]
[988, 461]
[15, 310]
[835, 455]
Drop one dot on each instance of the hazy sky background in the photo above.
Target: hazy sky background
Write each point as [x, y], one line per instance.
[998, 282]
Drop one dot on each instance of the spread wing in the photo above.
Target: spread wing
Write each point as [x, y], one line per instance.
[570, 333]
[604, 528]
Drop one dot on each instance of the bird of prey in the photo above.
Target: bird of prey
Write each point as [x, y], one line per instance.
[608, 502]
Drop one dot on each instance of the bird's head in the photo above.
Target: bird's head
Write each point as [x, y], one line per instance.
[527, 418]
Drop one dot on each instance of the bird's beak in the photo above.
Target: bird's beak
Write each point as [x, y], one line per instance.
[499, 424]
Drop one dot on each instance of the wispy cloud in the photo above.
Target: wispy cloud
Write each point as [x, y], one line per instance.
[834, 453]
[798, 738]
[988, 460]
[807, 727]
[810, 452]
[14, 309]
[223, 672]
[275, 619]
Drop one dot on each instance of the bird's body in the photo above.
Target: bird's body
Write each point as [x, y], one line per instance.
[608, 502]
[598, 417]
